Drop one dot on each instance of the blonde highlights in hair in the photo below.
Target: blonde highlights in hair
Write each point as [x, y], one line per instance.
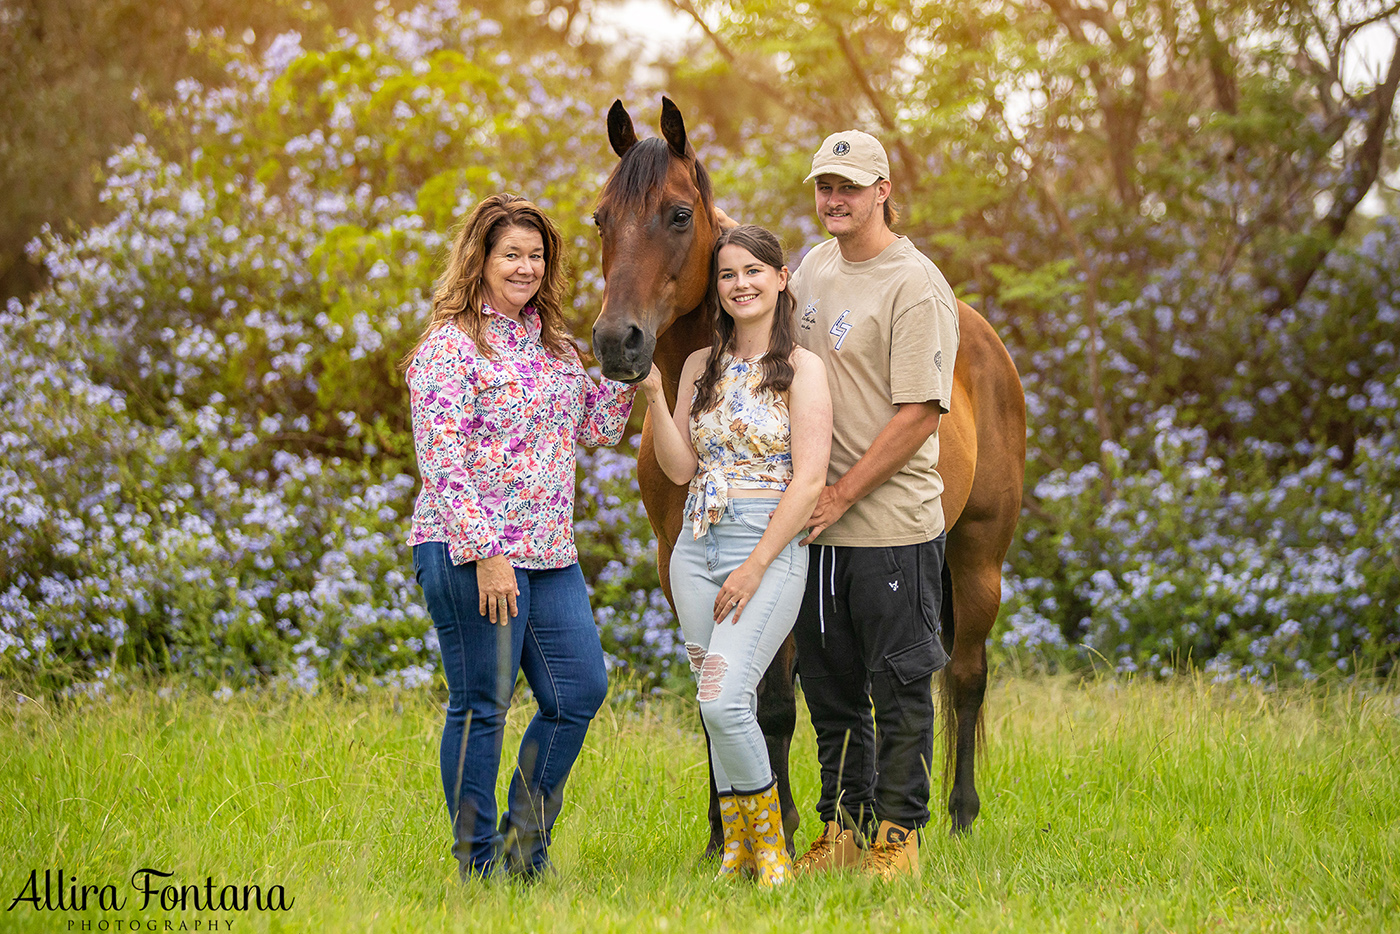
[460, 291]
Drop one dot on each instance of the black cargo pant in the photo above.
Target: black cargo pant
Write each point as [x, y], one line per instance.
[868, 636]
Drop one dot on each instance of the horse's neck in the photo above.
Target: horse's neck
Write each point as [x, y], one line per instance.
[685, 336]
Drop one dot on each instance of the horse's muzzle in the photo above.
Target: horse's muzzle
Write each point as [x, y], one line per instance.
[624, 352]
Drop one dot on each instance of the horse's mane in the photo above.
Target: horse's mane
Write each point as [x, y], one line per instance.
[641, 174]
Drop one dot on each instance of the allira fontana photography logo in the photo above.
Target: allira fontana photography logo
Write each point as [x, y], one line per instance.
[147, 890]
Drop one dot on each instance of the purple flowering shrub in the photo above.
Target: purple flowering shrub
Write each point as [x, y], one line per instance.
[197, 547]
[617, 550]
[1253, 528]
[206, 465]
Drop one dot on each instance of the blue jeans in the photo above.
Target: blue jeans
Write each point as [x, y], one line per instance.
[728, 659]
[554, 641]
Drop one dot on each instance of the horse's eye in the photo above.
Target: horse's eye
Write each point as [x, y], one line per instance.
[681, 219]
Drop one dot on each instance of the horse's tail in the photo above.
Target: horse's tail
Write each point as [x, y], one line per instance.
[945, 691]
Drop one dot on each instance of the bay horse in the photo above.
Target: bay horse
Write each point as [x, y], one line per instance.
[658, 224]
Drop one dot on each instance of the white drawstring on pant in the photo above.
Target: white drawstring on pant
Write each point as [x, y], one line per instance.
[821, 598]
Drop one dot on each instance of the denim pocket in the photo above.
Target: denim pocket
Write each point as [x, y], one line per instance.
[754, 521]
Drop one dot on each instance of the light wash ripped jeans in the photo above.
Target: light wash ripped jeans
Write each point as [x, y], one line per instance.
[729, 660]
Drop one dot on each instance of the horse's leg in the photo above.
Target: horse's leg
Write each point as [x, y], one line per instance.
[777, 717]
[965, 686]
[973, 570]
[712, 849]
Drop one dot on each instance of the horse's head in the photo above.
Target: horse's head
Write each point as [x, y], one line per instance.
[656, 219]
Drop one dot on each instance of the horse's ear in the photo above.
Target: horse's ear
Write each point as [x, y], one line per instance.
[620, 132]
[673, 126]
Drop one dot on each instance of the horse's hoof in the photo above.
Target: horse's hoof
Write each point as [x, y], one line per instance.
[962, 826]
[711, 853]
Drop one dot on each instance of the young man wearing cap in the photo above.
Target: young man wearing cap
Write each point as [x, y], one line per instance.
[884, 321]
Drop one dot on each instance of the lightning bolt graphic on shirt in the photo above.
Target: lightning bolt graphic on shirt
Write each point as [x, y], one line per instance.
[840, 328]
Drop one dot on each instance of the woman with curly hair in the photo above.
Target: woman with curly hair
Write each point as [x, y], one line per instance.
[499, 398]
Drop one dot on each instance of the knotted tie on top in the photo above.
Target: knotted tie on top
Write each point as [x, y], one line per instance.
[744, 441]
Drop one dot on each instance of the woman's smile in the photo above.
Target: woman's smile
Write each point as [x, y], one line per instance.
[748, 287]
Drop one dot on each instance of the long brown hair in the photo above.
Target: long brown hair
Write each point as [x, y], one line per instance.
[461, 288]
[777, 368]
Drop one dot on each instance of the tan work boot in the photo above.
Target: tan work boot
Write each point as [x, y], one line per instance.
[894, 853]
[836, 848]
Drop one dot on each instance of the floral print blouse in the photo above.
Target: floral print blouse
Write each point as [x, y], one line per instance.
[743, 441]
[495, 440]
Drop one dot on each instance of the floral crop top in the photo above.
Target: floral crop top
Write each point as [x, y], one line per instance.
[744, 441]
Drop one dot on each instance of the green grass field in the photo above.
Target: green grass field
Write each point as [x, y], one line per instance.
[1105, 806]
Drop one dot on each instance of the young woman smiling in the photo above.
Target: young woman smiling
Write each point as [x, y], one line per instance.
[750, 434]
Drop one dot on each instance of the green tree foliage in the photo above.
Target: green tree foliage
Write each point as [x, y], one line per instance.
[73, 75]
[205, 461]
[1031, 140]
[1155, 203]
[77, 76]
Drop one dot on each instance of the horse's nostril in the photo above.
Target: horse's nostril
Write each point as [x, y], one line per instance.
[634, 339]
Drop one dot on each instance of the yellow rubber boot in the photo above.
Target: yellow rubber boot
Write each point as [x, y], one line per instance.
[764, 818]
[736, 856]
[894, 853]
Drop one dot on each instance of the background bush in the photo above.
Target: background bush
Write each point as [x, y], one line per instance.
[206, 460]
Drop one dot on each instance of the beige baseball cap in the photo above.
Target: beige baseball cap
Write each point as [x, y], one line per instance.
[851, 154]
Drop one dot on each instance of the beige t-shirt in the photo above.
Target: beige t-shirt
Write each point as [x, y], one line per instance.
[887, 330]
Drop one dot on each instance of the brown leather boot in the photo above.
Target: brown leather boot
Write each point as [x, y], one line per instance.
[836, 848]
[894, 853]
